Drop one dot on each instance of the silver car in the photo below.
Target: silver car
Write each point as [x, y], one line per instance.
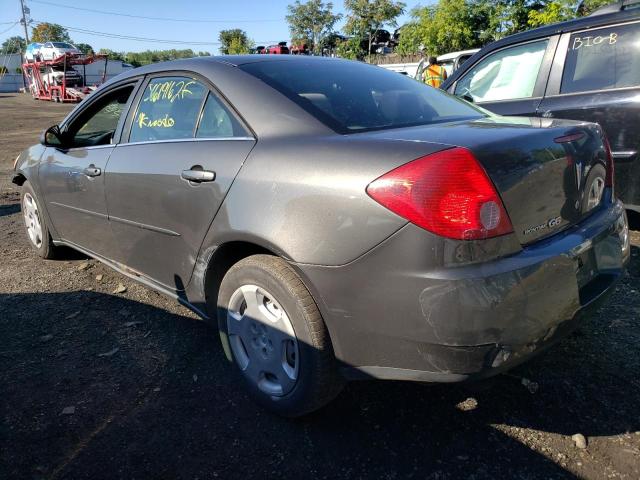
[334, 219]
[53, 50]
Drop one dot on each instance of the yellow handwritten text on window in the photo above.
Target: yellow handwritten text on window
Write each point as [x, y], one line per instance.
[162, 122]
[169, 90]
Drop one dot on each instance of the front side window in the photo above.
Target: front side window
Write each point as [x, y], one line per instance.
[353, 97]
[168, 109]
[505, 75]
[602, 59]
[98, 125]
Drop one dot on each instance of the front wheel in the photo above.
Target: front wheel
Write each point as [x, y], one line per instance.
[35, 224]
[273, 331]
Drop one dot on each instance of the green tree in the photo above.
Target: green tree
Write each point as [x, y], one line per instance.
[13, 45]
[444, 27]
[113, 55]
[49, 32]
[311, 22]
[560, 10]
[587, 6]
[238, 47]
[350, 48]
[234, 42]
[552, 12]
[366, 17]
[84, 48]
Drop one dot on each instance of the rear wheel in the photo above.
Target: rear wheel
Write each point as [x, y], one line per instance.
[276, 337]
[37, 230]
[594, 189]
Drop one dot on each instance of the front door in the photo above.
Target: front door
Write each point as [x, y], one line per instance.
[165, 185]
[598, 80]
[509, 81]
[72, 177]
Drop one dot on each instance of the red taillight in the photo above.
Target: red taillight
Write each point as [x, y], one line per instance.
[447, 193]
[609, 177]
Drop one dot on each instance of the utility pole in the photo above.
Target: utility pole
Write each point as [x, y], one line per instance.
[24, 22]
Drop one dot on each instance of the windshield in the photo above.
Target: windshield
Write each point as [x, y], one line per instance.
[62, 45]
[352, 96]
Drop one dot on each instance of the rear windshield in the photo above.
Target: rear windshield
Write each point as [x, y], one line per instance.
[353, 96]
[61, 45]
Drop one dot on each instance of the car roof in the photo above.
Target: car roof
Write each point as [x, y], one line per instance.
[452, 55]
[228, 60]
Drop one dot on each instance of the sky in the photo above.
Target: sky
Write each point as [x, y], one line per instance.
[263, 20]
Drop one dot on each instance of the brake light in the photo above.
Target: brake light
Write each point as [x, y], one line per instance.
[447, 193]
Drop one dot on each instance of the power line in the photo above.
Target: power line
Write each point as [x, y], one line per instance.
[134, 38]
[163, 19]
[5, 31]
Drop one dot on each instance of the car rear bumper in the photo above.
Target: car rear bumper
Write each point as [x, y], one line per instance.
[393, 315]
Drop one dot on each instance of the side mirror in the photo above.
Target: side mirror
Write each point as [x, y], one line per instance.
[467, 97]
[52, 137]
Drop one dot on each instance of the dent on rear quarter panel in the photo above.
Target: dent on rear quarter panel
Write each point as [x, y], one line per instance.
[305, 198]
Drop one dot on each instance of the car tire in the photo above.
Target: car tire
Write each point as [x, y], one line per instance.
[594, 188]
[35, 224]
[272, 329]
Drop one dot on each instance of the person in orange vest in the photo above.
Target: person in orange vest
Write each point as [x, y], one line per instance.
[434, 74]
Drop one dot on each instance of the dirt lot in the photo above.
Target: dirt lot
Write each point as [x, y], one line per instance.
[103, 385]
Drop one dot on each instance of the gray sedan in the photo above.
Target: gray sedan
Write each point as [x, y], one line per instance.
[335, 220]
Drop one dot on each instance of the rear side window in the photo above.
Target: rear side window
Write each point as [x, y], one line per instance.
[508, 74]
[218, 122]
[169, 109]
[352, 96]
[602, 59]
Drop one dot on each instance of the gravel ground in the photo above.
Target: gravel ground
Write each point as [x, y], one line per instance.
[97, 384]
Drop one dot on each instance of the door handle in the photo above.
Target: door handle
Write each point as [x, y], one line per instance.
[92, 171]
[199, 175]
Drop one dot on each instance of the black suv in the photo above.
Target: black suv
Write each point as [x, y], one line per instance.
[584, 69]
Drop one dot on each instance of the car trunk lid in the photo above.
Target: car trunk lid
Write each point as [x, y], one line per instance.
[543, 169]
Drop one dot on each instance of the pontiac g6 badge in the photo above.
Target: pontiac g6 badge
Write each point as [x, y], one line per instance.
[548, 225]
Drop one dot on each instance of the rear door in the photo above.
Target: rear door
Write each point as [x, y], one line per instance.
[166, 183]
[509, 81]
[596, 77]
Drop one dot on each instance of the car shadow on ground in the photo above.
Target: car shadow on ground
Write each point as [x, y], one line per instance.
[9, 209]
[100, 386]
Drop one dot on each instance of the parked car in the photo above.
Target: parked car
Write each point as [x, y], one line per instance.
[280, 49]
[53, 50]
[408, 69]
[32, 52]
[452, 61]
[585, 69]
[54, 74]
[359, 224]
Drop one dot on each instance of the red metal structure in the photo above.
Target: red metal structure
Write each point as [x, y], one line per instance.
[41, 90]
